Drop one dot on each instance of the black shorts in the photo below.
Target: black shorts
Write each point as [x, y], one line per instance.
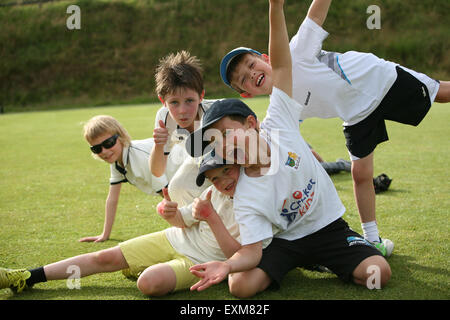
[407, 101]
[335, 246]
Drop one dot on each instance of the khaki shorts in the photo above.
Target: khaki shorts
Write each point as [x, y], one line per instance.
[148, 250]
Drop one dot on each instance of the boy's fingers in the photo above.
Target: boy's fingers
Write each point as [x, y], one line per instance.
[166, 194]
[208, 195]
[161, 124]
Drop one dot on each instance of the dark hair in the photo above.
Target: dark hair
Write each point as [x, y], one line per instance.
[232, 68]
[177, 71]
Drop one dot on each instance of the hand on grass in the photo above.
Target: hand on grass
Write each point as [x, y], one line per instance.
[99, 238]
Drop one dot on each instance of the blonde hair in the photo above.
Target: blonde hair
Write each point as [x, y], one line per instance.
[98, 125]
[178, 71]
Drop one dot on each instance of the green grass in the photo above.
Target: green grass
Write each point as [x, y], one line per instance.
[112, 58]
[52, 193]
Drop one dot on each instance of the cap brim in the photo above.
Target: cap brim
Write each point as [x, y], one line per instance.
[210, 161]
[195, 145]
[227, 59]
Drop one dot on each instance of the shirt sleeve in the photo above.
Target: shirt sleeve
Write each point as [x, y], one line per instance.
[158, 183]
[283, 112]
[307, 43]
[186, 214]
[253, 227]
[116, 177]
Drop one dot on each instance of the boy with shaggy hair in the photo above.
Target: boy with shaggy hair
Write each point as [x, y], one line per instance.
[179, 86]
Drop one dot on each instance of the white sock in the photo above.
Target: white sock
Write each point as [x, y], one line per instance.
[370, 230]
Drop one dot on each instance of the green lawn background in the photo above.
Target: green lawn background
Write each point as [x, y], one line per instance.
[52, 192]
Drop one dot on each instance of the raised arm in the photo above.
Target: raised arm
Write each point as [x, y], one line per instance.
[158, 160]
[279, 52]
[318, 11]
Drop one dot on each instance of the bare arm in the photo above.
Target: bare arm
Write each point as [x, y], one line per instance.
[158, 160]
[110, 213]
[318, 11]
[214, 272]
[279, 51]
[204, 210]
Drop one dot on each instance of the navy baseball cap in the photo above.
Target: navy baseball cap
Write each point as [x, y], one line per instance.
[196, 146]
[227, 60]
[209, 161]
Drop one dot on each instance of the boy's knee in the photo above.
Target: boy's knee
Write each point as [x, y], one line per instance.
[374, 272]
[239, 287]
[248, 283]
[151, 286]
[361, 173]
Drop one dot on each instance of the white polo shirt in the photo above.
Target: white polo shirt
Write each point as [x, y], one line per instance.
[136, 170]
[177, 134]
[197, 241]
[328, 84]
[181, 168]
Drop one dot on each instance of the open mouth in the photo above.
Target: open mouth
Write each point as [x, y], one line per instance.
[260, 80]
[229, 187]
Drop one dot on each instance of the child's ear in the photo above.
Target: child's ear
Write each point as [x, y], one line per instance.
[161, 99]
[202, 95]
[246, 95]
[251, 121]
[265, 58]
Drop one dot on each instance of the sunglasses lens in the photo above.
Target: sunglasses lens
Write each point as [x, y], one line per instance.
[96, 149]
[107, 144]
[110, 142]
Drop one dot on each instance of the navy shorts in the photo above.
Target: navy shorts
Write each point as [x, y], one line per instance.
[407, 101]
[335, 246]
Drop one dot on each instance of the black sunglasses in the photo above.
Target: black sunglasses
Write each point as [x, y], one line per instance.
[107, 144]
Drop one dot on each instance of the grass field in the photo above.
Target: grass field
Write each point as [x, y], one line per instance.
[52, 192]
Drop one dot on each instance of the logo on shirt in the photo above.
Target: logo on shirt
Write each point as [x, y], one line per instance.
[293, 160]
[300, 204]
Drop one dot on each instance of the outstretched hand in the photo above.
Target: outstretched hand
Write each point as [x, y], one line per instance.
[210, 273]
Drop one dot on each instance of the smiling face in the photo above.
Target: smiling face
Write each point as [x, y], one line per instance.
[253, 75]
[183, 107]
[112, 154]
[224, 178]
